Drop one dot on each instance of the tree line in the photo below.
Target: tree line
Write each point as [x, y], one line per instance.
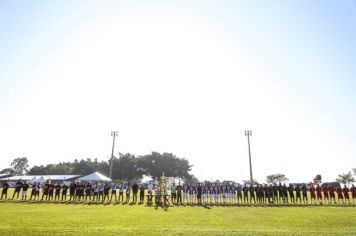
[125, 167]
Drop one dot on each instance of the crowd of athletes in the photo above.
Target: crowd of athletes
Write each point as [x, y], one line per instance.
[207, 193]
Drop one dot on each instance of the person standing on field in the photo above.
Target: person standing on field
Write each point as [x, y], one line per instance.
[25, 187]
[199, 192]
[57, 191]
[305, 193]
[121, 192]
[179, 193]
[142, 193]
[5, 187]
[113, 191]
[346, 191]
[134, 192]
[33, 191]
[340, 196]
[353, 193]
[64, 191]
[326, 194]
[174, 192]
[18, 187]
[128, 192]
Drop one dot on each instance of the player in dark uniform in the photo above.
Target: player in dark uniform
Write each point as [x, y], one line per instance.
[245, 190]
[298, 194]
[57, 192]
[45, 191]
[179, 193]
[275, 193]
[38, 189]
[305, 193]
[50, 191]
[88, 192]
[284, 191]
[142, 193]
[33, 191]
[72, 188]
[280, 194]
[134, 192]
[239, 193]
[258, 190]
[312, 194]
[18, 187]
[106, 192]
[319, 195]
[252, 194]
[199, 191]
[270, 193]
[340, 195]
[331, 190]
[291, 193]
[353, 193]
[326, 194]
[346, 192]
[25, 187]
[64, 191]
[5, 187]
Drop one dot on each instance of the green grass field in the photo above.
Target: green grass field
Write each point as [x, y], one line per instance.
[24, 218]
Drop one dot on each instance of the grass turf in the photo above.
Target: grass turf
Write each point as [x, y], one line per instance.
[24, 218]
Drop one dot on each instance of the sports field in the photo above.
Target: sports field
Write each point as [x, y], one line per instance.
[25, 218]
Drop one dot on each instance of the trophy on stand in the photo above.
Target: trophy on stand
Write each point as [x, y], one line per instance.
[161, 190]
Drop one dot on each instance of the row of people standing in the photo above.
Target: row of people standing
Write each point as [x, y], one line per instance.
[199, 193]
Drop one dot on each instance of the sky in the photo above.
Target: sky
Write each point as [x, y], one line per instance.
[185, 77]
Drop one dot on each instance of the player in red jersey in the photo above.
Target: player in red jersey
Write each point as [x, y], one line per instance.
[346, 191]
[319, 196]
[353, 192]
[326, 194]
[312, 194]
[340, 196]
[331, 190]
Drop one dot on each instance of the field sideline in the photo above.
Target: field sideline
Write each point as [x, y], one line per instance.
[25, 218]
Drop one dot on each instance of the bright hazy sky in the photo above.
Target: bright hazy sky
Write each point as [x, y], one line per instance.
[186, 77]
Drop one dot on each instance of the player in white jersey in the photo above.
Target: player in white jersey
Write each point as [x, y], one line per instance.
[185, 193]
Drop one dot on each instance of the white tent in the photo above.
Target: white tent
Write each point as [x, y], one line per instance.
[41, 180]
[96, 176]
[32, 180]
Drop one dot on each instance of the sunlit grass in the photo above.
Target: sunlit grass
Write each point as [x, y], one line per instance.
[25, 218]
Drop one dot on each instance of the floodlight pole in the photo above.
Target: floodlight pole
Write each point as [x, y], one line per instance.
[248, 133]
[113, 134]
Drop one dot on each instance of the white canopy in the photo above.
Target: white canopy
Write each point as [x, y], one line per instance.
[33, 179]
[41, 180]
[96, 176]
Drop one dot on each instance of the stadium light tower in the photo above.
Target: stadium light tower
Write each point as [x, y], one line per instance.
[113, 134]
[248, 133]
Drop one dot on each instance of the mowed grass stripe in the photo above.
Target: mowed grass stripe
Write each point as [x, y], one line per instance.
[61, 219]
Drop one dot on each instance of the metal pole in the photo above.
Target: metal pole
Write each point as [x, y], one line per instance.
[248, 133]
[114, 134]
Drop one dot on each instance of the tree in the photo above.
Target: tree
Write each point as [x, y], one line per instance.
[20, 165]
[345, 178]
[126, 167]
[191, 179]
[354, 170]
[317, 179]
[38, 170]
[248, 182]
[10, 171]
[155, 164]
[276, 179]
